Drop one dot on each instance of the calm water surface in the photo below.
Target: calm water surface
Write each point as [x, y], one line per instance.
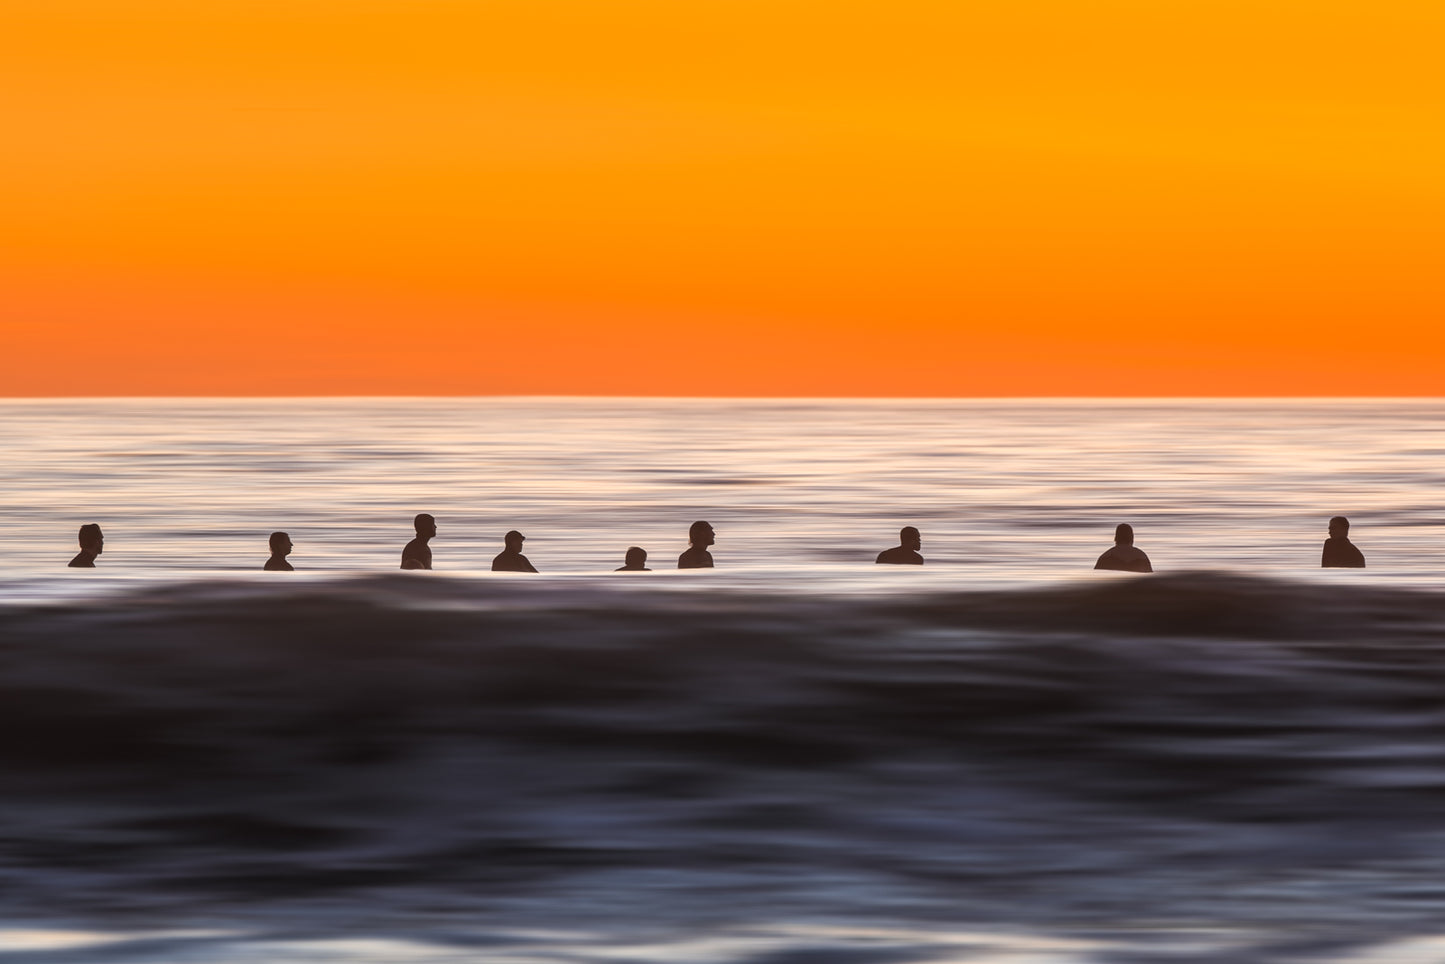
[1007, 489]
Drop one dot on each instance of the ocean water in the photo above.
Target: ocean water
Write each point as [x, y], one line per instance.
[796, 758]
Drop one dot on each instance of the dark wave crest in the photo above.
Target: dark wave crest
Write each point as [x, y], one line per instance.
[438, 741]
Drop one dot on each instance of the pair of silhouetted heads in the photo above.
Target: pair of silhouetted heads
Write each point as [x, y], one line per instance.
[700, 535]
[510, 559]
[634, 561]
[1124, 556]
[280, 549]
[417, 554]
[92, 544]
[906, 552]
[1339, 552]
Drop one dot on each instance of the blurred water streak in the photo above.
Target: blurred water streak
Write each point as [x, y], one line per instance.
[1014, 489]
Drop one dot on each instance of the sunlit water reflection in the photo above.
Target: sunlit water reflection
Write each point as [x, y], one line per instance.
[1018, 487]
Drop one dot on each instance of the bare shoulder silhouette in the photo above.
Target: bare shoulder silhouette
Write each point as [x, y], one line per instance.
[906, 552]
[634, 561]
[511, 559]
[700, 535]
[417, 554]
[1124, 556]
[1339, 552]
[92, 544]
[280, 549]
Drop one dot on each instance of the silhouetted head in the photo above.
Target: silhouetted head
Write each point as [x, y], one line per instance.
[1124, 534]
[91, 538]
[636, 557]
[909, 538]
[700, 534]
[514, 540]
[1340, 528]
[426, 526]
[280, 544]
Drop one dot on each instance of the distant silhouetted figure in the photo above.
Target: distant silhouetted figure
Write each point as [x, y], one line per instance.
[634, 561]
[511, 559]
[1124, 557]
[699, 537]
[417, 554]
[1340, 552]
[280, 549]
[906, 552]
[92, 543]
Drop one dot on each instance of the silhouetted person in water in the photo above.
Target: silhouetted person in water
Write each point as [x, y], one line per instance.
[511, 559]
[699, 537]
[92, 543]
[280, 549]
[417, 554]
[1340, 552]
[634, 561]
[906, 552]
[1124, 557]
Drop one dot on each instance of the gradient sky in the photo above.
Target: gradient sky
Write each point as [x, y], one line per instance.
[722, 197]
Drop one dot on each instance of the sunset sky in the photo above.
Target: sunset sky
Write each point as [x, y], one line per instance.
[722, 197]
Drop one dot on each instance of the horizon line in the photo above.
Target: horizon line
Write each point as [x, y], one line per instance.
[629, 397]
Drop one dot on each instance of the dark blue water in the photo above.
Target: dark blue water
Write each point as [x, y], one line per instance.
[1192, 766]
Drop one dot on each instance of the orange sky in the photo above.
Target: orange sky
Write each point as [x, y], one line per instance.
[722, 197]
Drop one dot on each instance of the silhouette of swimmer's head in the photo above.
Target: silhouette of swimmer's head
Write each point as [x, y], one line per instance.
[514, 540]
[280, 544]
[425, 525]
[909, 538]
[700, 534]
[1340, 527]
[636, 557]
[91, 538]
[1124, 534]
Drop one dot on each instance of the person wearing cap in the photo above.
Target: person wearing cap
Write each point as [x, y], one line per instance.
[511, 559]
